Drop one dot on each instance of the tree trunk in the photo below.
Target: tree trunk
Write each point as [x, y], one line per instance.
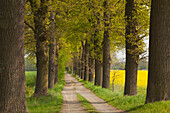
[86, 73]
[98, 55]
[91, 57]
[72, 72]
[12, 69]
[42, 68]
[52, 53]
[79, 71]
[82, 61]
[132, 58]
[98, 72]
[159, 48]
[41, 46]
[76, 63]
[106, 48]
[79, 67]
[56, 65]
[91, 67]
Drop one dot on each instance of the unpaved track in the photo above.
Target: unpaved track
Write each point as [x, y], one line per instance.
[70, 101]
[71, 104]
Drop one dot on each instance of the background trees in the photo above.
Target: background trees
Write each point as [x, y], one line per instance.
[101, 21]
[135, 32]
[84, 31]
[45, 24]
[52, 51]
[89, 27]
[39, 10]
[137, 24]
[106, 46]
[131, 38]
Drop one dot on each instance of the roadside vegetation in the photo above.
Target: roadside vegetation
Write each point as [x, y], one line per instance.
[51, 103]
[133, 104]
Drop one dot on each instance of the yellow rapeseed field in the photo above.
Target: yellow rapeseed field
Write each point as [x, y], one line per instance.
[119, 76]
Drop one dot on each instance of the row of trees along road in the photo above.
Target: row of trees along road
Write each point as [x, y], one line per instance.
[57, 31]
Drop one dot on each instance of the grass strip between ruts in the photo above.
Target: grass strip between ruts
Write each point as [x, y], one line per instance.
[86, 104]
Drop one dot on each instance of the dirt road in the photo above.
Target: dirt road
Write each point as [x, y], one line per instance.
[71, 103]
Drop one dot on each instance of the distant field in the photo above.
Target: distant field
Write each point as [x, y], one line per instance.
[120, 77]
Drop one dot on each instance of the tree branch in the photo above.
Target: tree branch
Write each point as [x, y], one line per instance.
[30, 26]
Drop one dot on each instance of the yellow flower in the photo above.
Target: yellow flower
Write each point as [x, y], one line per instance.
[118, 76]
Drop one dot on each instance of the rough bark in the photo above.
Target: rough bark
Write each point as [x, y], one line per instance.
[79, 71]
[86, 71]
[56, 65]
[132, 58]
[41, 47]
[91, 58]
[52, 53]
[98, 73]
[91, 67]
[159, 48]
[12, 69]
[72, 70]
[106, 48]
[98, 55]
[79, 68]
[82, 61]
[42, 68]
[76, 63]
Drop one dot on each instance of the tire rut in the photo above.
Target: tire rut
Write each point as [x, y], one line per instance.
[71, 103]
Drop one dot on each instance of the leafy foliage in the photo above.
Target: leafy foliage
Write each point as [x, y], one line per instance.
[77, 21]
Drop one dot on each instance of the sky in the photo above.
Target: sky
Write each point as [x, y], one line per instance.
[121, 54]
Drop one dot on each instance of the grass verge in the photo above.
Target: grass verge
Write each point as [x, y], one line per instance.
[133, 104]
[51, 103]
[86, 104]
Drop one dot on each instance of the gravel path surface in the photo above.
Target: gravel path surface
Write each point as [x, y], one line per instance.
[71, 103]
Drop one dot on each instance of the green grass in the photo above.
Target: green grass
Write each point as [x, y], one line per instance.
[134, 104]
[30, 78]
[51, 103]
[86, 104]
[30, 82]
[157, 107]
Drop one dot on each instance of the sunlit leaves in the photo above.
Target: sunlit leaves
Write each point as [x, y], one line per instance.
[76, 21]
